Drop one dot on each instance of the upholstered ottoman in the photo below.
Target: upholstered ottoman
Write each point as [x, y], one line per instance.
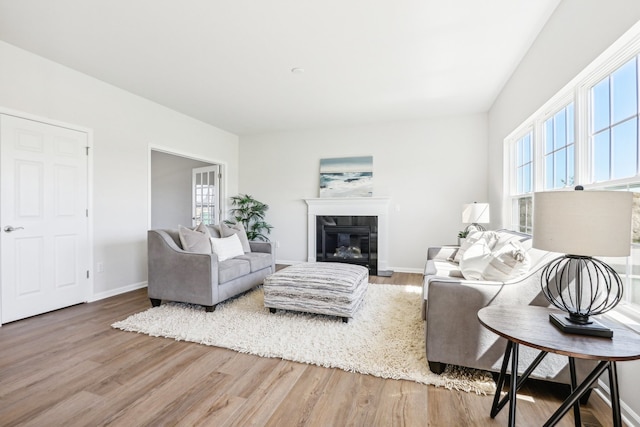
[331, 288]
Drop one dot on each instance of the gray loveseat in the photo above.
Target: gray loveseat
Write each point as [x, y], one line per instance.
[451, 303]
[197, 278]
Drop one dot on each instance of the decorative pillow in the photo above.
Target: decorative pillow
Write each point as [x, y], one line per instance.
[227, 247]
[214, 231]
[196, 240]
[488, 237]
[238, 229]
[508, 262]
[475, 259]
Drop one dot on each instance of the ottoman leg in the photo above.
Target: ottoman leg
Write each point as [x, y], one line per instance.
[272, 310]
[345, 320]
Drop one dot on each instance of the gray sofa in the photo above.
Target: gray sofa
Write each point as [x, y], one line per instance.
[451, 303]
[178, 275]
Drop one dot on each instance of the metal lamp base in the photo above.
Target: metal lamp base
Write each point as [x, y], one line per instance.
[593, 328]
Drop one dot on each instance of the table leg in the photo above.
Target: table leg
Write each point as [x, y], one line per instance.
[577, 394]
[574, 385]
[513, 387]
[615, 394]
[496, 407]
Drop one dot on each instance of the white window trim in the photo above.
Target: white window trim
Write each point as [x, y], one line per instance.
[578, 91]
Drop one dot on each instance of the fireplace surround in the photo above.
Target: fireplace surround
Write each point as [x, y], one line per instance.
[376, 207]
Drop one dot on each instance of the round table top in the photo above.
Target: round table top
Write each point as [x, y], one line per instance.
[530, 325]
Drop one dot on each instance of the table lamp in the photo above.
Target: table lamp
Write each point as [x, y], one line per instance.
[582, 225]
[474, 214]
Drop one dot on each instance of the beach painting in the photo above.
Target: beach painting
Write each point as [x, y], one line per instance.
[346, 177]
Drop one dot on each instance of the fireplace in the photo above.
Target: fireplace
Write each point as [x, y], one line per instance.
[351, 239]
[359, 234]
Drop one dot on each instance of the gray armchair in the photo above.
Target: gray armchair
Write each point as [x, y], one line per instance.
[178, 275]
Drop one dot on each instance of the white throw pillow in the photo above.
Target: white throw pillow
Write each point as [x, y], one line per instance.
[475, 259]
[227, 247]
[238, 229]
[486, 237]
[508, 262]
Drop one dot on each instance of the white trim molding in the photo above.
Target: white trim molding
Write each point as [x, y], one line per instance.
[360, 206]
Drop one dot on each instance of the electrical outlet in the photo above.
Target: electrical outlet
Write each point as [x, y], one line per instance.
[100, 267]
[277, 243]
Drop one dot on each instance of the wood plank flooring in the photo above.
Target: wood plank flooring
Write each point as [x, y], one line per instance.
[70, 368]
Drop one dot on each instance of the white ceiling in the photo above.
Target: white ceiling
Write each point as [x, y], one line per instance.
[228, 63]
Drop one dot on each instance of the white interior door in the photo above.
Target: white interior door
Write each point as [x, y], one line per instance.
[44, 218]
[206, 195]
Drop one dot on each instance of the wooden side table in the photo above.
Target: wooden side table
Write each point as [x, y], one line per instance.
[530, 326]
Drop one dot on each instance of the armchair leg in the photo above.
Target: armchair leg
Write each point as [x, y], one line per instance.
[437, 367]
[209, 308]
[155, 302]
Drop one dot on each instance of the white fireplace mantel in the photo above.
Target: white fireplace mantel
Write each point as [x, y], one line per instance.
[357, 206]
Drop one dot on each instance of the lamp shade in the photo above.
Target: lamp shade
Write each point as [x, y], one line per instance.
[586, 223]
[475, 213]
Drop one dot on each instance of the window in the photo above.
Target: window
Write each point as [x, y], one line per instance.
[614, 124]
[524, 183]
[559, 142]
[587, 134]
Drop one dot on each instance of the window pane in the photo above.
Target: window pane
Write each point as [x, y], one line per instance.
[560, 169]
[526, 149]
[519, 181]
[570, 124]
[524, 212]
[560, 131]
[548, 136]
[624, 87]
[624, 139]
[548, 172]
[600, 105]
[601, 156]
[526, 178]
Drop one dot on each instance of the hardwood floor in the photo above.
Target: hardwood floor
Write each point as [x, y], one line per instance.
[70, 368]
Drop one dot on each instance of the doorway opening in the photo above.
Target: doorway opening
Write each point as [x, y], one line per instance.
[184, 190]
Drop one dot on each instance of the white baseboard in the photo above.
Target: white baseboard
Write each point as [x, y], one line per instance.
[407, 270]
[629, 417]
[118, 291]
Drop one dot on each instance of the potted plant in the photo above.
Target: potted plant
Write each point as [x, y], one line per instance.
[250, 212]
[462, 236]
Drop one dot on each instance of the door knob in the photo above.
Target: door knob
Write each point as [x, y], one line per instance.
[9, 228]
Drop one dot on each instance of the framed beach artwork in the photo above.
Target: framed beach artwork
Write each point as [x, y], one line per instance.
[346, 177]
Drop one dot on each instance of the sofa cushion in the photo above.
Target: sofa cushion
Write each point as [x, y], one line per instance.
[442, 268]
[258, 260]
[196, 240]
[232, 269]
[226, 247]
[238, 229]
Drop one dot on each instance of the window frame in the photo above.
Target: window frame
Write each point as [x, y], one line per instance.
[578, 91]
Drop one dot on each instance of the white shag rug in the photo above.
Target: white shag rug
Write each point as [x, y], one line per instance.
[385, 338]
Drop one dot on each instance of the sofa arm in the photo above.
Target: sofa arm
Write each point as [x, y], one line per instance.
[177, 275]
[442, 253]
[266, 247]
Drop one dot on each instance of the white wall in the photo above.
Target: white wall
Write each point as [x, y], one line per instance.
[124, 125]
[578, 31]
[428, 168]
